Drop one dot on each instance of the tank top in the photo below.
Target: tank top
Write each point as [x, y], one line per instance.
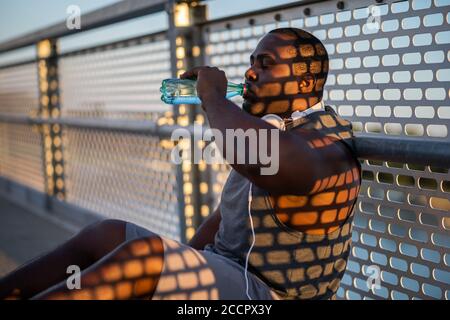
[294, 264]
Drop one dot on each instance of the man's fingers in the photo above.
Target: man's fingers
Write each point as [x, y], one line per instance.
[188, 75]
[192, 73]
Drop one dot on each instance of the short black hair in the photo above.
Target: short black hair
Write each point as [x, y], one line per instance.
[303, 37]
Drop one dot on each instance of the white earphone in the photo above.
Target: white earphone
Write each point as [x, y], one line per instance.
[274, 120]
[279, 123]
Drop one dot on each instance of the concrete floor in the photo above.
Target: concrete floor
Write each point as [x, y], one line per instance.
[24, 235]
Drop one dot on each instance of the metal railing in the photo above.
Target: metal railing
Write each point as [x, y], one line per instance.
[87, 127]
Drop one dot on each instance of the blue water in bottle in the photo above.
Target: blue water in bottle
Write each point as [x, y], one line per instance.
[184, 91]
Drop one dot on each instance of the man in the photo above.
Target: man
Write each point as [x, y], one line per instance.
[284, 236]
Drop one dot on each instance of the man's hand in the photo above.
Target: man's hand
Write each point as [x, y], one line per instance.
[206, 233]
[211, 82]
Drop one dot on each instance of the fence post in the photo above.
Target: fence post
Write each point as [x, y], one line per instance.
[49, 108]
[185, 48]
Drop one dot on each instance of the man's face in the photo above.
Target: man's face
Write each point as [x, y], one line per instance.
[283, 76]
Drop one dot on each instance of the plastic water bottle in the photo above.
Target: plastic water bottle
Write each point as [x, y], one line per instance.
[184, 91]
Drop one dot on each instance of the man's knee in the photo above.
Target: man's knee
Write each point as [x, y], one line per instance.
[101, 237]
[104, 229]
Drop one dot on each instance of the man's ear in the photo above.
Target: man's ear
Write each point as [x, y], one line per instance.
[306, 83]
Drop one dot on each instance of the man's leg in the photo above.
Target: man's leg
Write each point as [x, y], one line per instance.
[85, 248]
[131, 271]
[159, 268]
[190, 274]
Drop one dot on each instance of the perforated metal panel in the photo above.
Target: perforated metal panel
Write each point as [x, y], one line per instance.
[20, 145]
[387, 81]
[122, 175]
[19, 89]
[121, 80]
[119, 175]
[21, 155]
[391, 81]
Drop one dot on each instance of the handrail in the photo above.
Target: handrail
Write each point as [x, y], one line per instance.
[117, 12]
[137, 126]
[121, 11]
[382, 148]
[404, 150]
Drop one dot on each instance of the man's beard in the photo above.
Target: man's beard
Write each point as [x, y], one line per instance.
[247, 106]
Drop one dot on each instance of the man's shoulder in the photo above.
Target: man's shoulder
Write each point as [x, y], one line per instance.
[324, 128]
[332, 137]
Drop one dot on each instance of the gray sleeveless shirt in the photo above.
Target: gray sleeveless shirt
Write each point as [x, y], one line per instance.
[294, 264]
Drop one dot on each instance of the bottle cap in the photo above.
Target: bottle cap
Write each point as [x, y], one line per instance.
[244, 89]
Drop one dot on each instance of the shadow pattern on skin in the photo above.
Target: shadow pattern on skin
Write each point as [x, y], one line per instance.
[295, 68]
[131, 271]
[147, 268]
[302, 242]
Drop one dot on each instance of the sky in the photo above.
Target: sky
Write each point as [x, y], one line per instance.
[18, 17]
